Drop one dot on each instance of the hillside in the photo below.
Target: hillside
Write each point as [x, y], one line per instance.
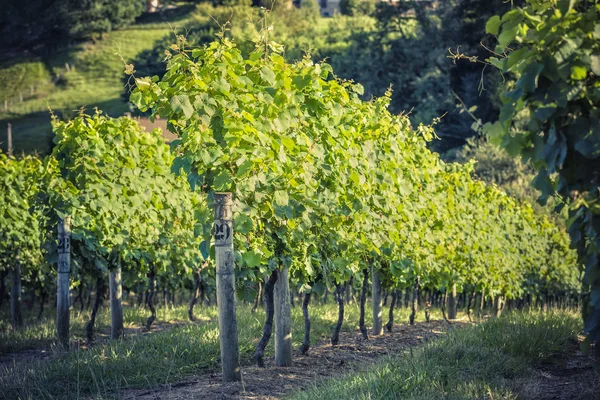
[86, 75]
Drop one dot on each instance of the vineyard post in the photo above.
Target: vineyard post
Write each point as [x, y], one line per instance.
[452, 306]
[62, 285]
[377, 316]
[15, 295]
[10, 143]
[283, 320]
[116, 305]
[498, 306]
[224, 257]
[482, 303]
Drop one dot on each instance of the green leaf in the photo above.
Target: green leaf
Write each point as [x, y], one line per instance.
[222, 181]
[205, 249]
[567, 49]
[256, 55]
[193, 180]
[181, 103]
[319, 288]
[507, 36]
[494, 132]
[440, 250]
[302, 81]
[281, 198]
[244, 169]
[268, 75]
[529, 78]
[492, 26]
[252, 259]
[500, 63]
[566, 5]
[277, 59]
[143, 83]
[100, 264]
[578, 73]
[544, 185]
[136, 99]
[544, 113]
[242, 224]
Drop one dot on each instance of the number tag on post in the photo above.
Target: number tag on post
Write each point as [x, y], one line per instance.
[64, 244]
[223, 233]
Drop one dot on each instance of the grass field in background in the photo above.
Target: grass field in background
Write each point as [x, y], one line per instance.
[94, 79]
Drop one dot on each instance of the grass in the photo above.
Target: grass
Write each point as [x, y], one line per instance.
[94, 79]
[483, 361]
[144, 360]
[41, 334]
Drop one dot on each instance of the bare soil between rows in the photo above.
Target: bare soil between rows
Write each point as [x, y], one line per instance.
[323, 361]
[572, 378]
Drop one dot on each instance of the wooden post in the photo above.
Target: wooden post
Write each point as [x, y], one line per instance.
[283, 320]
[377, 317]
[452, 309]
[224, 257]
[482, 303]
[116, 304]
[62, 285]
[498, 306]
[16, 318]
[414, 300]
[10, 143]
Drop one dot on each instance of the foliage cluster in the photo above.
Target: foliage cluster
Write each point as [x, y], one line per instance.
[551, 114]
[127, 209]
[404, 45]
[20, 233]
[329, 184]
[494, 166]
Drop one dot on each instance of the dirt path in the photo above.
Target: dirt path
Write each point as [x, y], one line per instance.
[323, 361]
[10, 360]
[573, 378]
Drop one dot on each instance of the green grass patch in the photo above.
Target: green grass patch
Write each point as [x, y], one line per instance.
[144, 360]
[482, 361]
[41, 333]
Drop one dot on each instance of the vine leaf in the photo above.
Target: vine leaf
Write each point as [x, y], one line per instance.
[181, 103]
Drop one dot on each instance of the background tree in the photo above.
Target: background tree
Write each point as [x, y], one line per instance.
[551, 116]
[89, 18]
[40, 26]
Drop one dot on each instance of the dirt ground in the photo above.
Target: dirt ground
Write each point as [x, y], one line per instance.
[323, 361]
[11, 359]
[573, 378]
